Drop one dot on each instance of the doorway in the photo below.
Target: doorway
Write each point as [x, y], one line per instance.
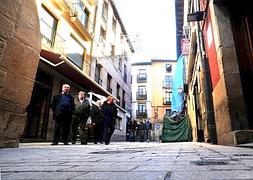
[38, 111]
[242, 26]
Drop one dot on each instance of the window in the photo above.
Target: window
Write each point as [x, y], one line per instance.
[103, 33]
[142, 76]
[118, 93]
[168, 81]
[114, 23]
[167, 98]
[168, 95]
[105, 10]
[123, 99]
[97, 74]
[125, 73]
[120, 63]
[48, 24]
[75, 52]
[142, 90]
[168, 68]
[102, 36]
[142, 108]
[109, 79]
[113, 50]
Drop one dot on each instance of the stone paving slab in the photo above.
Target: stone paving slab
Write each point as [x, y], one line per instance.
[124, 160]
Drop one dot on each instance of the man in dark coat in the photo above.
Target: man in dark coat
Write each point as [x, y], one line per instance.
[97, 118]
[81, 114]
[110, 111]
[63, 107]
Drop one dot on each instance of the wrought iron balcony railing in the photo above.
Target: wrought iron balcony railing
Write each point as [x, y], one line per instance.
[140, 95]
[166, 101]
[141, 113]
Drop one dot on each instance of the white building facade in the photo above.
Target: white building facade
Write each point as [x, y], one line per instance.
[111, 67]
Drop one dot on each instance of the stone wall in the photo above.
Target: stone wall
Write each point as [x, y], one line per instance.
[20, 43]
[227, 95]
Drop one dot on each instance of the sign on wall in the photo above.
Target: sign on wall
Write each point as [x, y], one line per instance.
[185, 46]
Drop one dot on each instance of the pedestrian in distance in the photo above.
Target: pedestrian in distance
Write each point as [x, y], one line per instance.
[81, 114]
[110, 111]
[63, 107]
[131, 127]
[148, 128]
[97, 117]
[142, 128]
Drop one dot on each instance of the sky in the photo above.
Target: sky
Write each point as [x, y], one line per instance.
[151, 23]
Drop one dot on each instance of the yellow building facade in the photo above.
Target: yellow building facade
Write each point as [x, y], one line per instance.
[152, 92]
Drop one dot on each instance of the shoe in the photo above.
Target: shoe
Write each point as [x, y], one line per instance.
[73, 142]
[95, 142]
[54, 143]
[66, 143]
[101, 142]
[85, 143]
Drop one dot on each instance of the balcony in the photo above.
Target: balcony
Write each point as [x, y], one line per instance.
[167, 84]
[141, 78]
[140, 95]
[166, 101]
[53, 42]
[51, 39]
[141, 114]
[81, 21]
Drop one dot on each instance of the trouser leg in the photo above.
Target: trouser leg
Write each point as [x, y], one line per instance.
[66, 130]
[83, 132]
[75, 129]
[57, 131]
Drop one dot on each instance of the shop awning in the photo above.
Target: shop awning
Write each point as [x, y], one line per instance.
[65, 67]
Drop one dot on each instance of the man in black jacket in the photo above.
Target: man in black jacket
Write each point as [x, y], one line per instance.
[97, 118]
[63, 107]
[110, 111]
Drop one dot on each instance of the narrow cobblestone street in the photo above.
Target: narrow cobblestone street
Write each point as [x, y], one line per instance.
[124, 160]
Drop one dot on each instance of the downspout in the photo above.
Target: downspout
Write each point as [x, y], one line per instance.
[207, 87]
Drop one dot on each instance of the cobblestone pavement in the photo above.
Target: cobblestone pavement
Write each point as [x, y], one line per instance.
[125, 160]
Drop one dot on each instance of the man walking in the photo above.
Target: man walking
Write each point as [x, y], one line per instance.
[81, 114]
[63, 107]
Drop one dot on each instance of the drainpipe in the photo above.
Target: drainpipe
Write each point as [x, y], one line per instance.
[207, 87]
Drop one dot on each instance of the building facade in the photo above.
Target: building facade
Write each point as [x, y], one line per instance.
[111, 63]
[152, 92]
[220, 71]
[62, 33]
